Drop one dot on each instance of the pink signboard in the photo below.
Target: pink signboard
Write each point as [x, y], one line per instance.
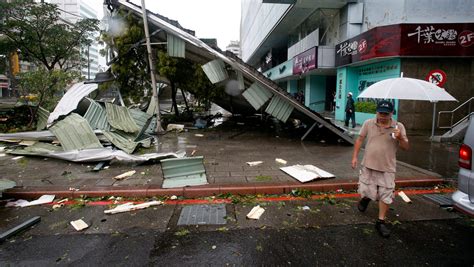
[305, 61]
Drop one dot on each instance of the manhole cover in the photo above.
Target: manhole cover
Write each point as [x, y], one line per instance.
[202, 214]
[442, 200]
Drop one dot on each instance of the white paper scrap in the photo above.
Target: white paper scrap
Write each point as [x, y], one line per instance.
[306, 173]
[24, 203]
[199, 135]
[254, 163]
[124, 175]
[17, 158]
[255, 213]
[79, 225]
[404, 197]
[130, 207]
[281, 161]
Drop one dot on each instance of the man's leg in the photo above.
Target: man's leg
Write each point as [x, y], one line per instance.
[383, 208]
[346, 121]
[353, 117]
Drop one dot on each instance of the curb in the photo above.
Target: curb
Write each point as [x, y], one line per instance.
[201, 191]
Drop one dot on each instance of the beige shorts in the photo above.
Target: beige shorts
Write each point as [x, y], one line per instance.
[377, 185]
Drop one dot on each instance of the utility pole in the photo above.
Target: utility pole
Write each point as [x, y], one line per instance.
[88, 64]
[159, 128]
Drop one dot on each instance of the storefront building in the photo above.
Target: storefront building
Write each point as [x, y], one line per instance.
[336, 47]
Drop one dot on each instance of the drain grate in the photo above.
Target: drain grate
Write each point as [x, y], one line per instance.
[442, 200]
[202, 215]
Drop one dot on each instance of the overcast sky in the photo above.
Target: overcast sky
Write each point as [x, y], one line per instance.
[218, 19]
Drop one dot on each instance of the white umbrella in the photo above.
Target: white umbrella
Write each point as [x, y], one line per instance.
[408, 89]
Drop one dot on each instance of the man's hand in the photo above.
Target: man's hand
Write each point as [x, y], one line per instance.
[354, 163]
[397, 134]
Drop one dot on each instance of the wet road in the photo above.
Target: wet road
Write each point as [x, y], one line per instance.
[327, 234]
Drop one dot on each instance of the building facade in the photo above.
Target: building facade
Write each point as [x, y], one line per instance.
[72, 11]
[321, 50]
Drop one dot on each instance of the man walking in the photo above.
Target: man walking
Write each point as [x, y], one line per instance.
[350, 111]
[377, 175]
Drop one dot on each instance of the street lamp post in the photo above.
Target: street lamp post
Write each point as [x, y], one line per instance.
[88, 64]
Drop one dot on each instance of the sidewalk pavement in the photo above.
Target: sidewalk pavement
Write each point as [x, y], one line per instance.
[225, 153]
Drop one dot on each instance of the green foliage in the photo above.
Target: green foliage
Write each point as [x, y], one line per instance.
[48, 86]
[131, 68]
[35, 29]
[365, 107]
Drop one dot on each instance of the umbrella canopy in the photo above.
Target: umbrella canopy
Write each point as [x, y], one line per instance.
[407, 89]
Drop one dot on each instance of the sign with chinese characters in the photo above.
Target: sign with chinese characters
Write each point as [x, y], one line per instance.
[305, 61]
[453, 39]
[437, 77]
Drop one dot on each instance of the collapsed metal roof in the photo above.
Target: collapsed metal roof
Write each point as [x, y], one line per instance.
[282, 104]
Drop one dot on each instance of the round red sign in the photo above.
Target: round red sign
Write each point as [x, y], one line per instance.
[437, 77]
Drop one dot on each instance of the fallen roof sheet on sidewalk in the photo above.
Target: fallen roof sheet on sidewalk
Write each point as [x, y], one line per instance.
[74, 132]
[94, 154]
[183, 172]
[96, 116]
[71, 99]
[120, 118]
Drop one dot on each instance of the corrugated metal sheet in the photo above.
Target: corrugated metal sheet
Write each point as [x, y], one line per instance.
[176, 46]
[96, 116]
[256, 95]
[122, 140]
[36, 149]
[240, 79]
[183, 172]
[43, 115]
[142, 119]
[215, 71]
[70, 100]
[279, 108]
[120, 118]
[74, 132]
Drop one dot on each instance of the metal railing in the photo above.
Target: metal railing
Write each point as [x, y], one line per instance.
[452, 124]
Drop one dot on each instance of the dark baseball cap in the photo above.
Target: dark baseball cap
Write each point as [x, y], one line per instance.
[385, 106]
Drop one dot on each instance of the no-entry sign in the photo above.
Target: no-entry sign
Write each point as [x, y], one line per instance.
[437, 77]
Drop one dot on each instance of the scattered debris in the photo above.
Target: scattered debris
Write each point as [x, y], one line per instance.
[404, 197]
[124, 175]
[25, 203]
[183, 172]
[19, 228]
[17, 158]
[240, 123]
[27, 143]
[2, 148]
[100, 166]
[255, 213]
[3, 155]
[173, 197]
[339, 190]
[199, 135]
[281, 161]
[194, 152]
[254, 163]
[79, 225]
[6, 184]
[305, 208]
[73, 189]
[214, 247]
[57, 206]
[131, 207]
[177, 127]
[306, 173]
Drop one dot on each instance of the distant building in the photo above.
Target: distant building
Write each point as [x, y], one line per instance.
[234, 47]
[72, 11]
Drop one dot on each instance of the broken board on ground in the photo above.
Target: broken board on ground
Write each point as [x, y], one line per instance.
[306, 173]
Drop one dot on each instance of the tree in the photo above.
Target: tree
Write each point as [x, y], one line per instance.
[130, 66]
[42, 36]
[46, 86]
